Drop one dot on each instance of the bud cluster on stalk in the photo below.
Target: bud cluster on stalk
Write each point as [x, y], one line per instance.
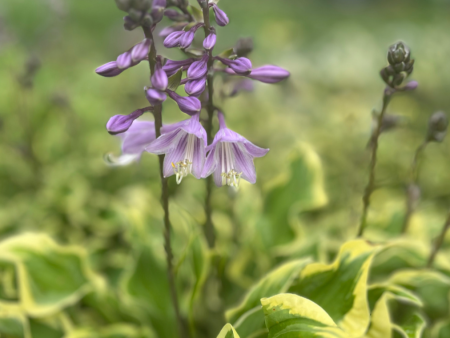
[400, 65]
[185, 143]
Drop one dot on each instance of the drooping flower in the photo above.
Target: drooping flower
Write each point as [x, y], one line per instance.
[134, 141]
[230, 157]
[183, 143]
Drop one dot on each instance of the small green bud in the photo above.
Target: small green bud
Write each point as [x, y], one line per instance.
[124, 5]
[135, 15]
[437, 127]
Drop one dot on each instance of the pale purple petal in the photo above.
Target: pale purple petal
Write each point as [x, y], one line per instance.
[140, 51]
[175, 155]
[210, 41]
[244, 163]
[165, 142]
[137, 137]
[124, 60]
[159, 79]
[255, 151]
[155, 97]
[210, 164]
[109, 69]
[199, 158]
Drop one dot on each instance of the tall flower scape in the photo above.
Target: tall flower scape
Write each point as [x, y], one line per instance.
[187, 147]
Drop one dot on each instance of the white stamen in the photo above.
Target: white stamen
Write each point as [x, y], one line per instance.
[229, 174]
[184, 167]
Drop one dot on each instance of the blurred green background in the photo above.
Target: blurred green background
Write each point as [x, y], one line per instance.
[53, 178]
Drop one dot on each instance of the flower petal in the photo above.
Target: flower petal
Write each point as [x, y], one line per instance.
[244, 163]
[165, 142]
[199, 158]
[137, 137]
[174, 156]
[255, 151]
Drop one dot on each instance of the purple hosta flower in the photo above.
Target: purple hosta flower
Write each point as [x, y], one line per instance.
[221, 17]
[134, 141]
[199, 68]
[269, 74]
[155, 97]
[210, 41]
[188, 37]
[120, 123]
[230, 157]
[140, 51]
[171, 67]
[173, 39]
[241, 66]
[159, 79]
[170, 29]
[184, 146]
[109, 69]
[189, 105]
[195, 87]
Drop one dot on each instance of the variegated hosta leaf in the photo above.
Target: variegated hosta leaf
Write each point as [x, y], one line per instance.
[413, 327]
[299, 189]
[247, 317]
[13, 322]
[441, 329]
[38, 259]
[340, 288]
[380, 320]
[113, 331]
[291, 316]
[228, 331]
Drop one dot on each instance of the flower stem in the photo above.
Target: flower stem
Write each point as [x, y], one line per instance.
[157, 113]
[438, 243]
[410, 202]
[208, 227]
[373, 162]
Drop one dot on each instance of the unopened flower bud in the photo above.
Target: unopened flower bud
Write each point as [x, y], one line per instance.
[120, 123]
[129, 24]
[189, 105]
[109, 69]
[136, 15]
[241, 66]
[141, 50]
[188, 37]
[142, 5]
[221, 18]
[174, 15]
[170, 29]
[159, 79]
[124, 60]
[171, 66]
[195, 87]
[437, 127]
[411, 85]
[398, 53]
[400, 65]
[173, 39]
[210, 41]
[243, 47]
[159, 3]
[124, 5]
[155, 97]
[269, 74]
[199, 68]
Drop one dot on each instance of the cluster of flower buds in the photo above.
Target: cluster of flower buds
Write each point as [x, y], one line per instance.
[230, 156]
[437, 127]
[400, 67]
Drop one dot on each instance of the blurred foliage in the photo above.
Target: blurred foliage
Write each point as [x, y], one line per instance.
[82, 252]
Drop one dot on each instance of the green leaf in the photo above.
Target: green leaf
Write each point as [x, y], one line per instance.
[289, 315]
[13, 323]
[251, 323]
[277, 281]
[340, 288]
[175, 79]
[38, 259]
[112, 331]
[226, 53]
[412, 328]
[228, 331]
[197, 13]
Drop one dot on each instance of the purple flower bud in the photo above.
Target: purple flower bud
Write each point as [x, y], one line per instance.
[199, 68]
[173, 39]
[411, 85]
[221, 17]
[124, 60]
[129, 24]
[241, 66]
[269, 74]
[195, 87]
[210, 41]
[159, 78]
[140, 51]
[174, 15]
[189, 105]
[120, 123]
[160, 3]
[157, 14]
[155, 97]
[171, 67]
[170, 29]
[109, 69]
[188, 37]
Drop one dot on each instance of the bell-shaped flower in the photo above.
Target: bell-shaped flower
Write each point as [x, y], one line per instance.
[183, 143]
[199, 68]
[221, 17]
[134, 141]
[189, 105]
[230, 157]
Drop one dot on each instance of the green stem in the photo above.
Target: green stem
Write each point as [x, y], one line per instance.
[373, 162]
[157, 113]
[438, 243]
[208, 227]
[410, 200]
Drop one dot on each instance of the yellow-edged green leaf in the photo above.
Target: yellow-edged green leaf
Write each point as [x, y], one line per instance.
[175, 80]
[340, 288]
[412, 328]
[228, 331]
[251, 323]
[441, 329]
[13, 322]
[112, 331]
[288, 315]
[38, 259]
